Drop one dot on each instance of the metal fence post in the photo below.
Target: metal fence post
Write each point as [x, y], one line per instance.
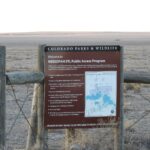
[121, 104]
[119, 130]
[2, 97]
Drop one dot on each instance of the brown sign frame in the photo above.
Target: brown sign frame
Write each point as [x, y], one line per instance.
[51, 122]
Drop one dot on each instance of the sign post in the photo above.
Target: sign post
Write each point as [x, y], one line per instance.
[2, 97]
[83, 86]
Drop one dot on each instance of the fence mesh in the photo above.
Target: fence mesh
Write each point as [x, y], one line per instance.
[137, 128]
[136, 99]
[16, 122]
[137, 112]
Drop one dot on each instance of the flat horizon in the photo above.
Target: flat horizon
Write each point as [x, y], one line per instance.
[71, 32]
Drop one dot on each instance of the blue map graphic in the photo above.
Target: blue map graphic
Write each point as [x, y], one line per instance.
[93, 97]
[100, 94]
[106, 98]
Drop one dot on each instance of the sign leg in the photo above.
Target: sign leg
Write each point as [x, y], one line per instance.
[69, 138]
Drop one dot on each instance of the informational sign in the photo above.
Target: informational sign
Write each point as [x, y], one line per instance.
[82, 85]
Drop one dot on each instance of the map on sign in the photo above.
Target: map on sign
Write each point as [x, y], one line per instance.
[100, 93]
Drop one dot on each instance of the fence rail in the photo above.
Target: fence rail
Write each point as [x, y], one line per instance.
[37, 77]
[24, 77]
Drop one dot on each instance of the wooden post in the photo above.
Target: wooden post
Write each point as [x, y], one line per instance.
[2, 97]
[32, 131]
[116, 135]
[40, 103]
[69, 138]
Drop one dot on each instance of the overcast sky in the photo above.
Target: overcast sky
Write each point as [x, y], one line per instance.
[74, 15]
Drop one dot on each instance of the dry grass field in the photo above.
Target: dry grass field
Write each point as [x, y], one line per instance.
[22, 55]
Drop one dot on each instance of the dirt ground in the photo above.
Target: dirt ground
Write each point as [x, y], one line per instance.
[22, 55]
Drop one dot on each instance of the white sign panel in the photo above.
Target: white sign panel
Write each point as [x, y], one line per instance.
[100, 93]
